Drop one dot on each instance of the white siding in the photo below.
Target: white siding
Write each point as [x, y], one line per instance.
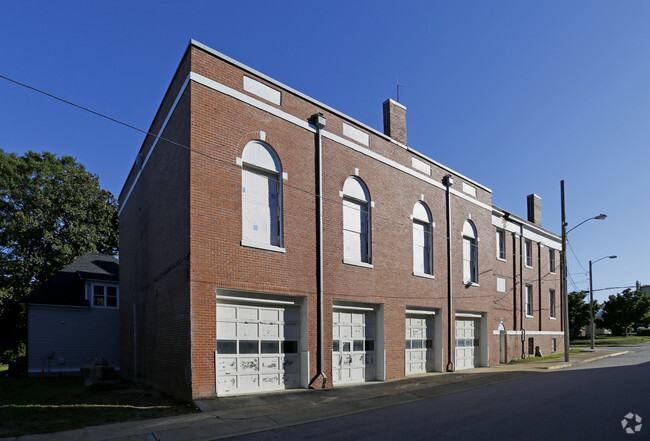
[74, 336]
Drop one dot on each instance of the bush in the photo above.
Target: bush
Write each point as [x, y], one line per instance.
[643, 332]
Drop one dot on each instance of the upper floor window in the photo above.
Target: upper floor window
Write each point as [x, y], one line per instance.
[529, 300]
[470, 253]
[528, 245]
[551, 260]
[104, 296]
[261, 196]
[501, 244]
[551, 303]
[356, 221]
[422, 240]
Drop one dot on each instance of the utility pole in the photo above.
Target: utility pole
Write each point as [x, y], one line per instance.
[565, 297]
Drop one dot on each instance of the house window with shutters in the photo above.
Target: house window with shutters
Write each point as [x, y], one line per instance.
[356, 222]
[261, 197]
[422, 240]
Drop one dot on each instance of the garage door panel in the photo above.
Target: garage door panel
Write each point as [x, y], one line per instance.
[226, 312]
[467, 343]
[247, 313]
[251, 348]
[268, 330]
[353, 356]
[419, 344]
[227, 330]
[245, 330]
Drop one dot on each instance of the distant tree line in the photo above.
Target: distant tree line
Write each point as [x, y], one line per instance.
[621, 313]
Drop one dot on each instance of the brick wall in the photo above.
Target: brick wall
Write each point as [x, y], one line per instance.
[181, 233]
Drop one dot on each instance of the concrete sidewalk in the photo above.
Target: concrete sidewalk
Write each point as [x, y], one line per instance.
[232, 416]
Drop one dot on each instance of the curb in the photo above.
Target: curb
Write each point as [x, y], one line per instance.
[588, 360]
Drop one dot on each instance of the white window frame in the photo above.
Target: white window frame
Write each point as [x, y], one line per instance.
[104, 286]
[551, 260]
[355, 195]
[422, 217]
[260, 159]
[551, 304]
[528, 249]
[501, 244]
[470, 262]
[529, 300]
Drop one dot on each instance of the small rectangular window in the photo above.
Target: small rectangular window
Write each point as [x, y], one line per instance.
[429, 344]
[270, 347]
[408, 344]
[291, 347]
[551, 261]
[551, 303]
[531, 346]
[111, 296]
[335, 346]
[416, 344]
[357, 345]
[529, 253]
[346, 346]
[370, 345]
[529, 300]
[248, 347]
[226, 347]
[501, 244]
[553, 345]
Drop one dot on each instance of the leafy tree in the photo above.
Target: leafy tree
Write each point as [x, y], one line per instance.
[626, 310]
[579, 313]
[51, 211]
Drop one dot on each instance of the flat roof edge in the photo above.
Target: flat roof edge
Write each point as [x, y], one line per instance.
[257, 73]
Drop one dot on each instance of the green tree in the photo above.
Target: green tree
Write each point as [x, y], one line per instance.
[51, 211]
[626, 310]
[579, 313]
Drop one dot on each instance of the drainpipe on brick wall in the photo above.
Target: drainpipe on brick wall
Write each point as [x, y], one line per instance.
[521, 292]
[319, 121]
[451, 367]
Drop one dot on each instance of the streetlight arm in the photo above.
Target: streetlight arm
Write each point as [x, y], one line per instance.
[599, 217]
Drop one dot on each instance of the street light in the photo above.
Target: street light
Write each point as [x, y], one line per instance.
[592, 330]
[565, 295]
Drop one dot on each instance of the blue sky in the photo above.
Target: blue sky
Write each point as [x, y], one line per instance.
[516, 95]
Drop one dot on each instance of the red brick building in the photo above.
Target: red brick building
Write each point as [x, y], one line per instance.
[268, 241]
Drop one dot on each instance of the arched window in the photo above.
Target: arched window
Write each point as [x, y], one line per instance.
[422, 240]
[356, 221]
[470, 253]
[261, 196]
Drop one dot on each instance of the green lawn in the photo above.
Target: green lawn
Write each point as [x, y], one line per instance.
[3, 368]
[546, 357]
[610, 340]
[33, 406]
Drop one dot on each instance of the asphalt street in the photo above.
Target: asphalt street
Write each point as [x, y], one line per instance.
[584, 402]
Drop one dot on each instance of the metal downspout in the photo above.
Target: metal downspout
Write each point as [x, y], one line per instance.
[521, 292]
[319, 121]
[451, 367]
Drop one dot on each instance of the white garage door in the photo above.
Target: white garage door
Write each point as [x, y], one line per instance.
[353, 347]
[419, 344]
[467, 343]
[257, 348]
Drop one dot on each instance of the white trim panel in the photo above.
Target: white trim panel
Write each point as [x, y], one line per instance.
[420, 312]
[254, 300]
[399, 167]
[468, 315]
[263, 91]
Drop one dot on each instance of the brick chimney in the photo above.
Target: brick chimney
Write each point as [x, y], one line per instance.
[395, 120]
[535, 209]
